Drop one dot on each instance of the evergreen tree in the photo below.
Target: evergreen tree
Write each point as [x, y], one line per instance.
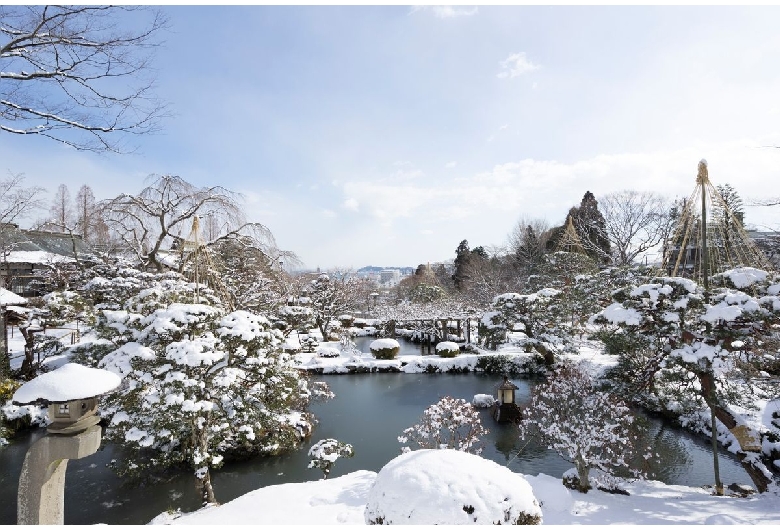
[462, 260]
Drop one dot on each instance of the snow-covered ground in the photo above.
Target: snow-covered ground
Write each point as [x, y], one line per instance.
[343, 500]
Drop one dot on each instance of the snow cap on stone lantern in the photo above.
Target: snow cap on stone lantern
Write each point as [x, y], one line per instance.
[71, 392]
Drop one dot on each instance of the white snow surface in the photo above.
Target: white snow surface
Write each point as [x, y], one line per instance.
[483, 401]
[743, 277]
[342, 500]
[441, 486]
[70, 381]
[617, 314]
[380, 344]
[447, 345]
[10, 298]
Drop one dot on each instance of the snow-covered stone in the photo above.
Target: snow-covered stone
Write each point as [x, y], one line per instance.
[443, 486]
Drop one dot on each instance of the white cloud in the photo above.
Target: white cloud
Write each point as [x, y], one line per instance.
[330, 214]
[504, 127]
[447, 11]
[351, 204]
[451, 164]
[515, 65]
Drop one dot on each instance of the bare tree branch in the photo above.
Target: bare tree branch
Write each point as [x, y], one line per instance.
[70, 74]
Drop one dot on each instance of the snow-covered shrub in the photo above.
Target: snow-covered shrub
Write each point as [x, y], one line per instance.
[483, 401]
[308, 343]
[511, 364]
[328, 351]
[450, 423]
[324, 454]
[447, 487]
[385, 348]
[447, 349]
[590, 428]
[295, 318]
[199, 384]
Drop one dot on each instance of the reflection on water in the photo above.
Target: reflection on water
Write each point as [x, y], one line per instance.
[369, 412]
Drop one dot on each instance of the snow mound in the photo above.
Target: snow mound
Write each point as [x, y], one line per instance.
[444, 486]
[483, 401]
[381, 344]
[447, 345]
[722, 518]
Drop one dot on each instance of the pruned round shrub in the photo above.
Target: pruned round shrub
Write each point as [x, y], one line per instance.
[444, 486]
[483, 401]
[385, 348]
[328, 351]
[447, 349]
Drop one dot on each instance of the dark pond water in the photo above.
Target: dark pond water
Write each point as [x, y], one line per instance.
[369, 412]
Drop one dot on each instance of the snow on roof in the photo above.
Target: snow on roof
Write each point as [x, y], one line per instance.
[444, 486]
[10, 298]
[35, 256]
[70, 381]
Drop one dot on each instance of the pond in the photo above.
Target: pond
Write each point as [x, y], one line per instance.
[369, 412]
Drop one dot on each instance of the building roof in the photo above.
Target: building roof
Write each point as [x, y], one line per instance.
[35, 246]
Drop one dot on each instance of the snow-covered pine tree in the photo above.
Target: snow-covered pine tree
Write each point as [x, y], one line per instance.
[324, 454]
[199, 384]
[701, 353]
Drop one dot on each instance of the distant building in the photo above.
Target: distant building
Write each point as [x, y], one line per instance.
[390, 276]
[24, 254]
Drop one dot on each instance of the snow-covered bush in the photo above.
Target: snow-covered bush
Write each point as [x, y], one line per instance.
[199, 384]
[447, 349]
[385, 348]
[328, 351]
[590, 428]
[483, 401]
[511, 364]
[451, 423]
[324, 454]
[449, 487]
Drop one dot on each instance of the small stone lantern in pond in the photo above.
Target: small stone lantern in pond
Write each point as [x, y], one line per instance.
[71, 393]
[505, 410]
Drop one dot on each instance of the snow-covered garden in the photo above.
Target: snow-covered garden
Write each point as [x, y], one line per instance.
[221, 358]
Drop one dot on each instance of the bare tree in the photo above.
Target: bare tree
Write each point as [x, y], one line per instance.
[162, 217]
[16, 202]
[86, 216]
[69, 73]
[61, 209]
[635, 222]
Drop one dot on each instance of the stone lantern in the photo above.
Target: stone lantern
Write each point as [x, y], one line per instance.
[505, 410]
[71, 394]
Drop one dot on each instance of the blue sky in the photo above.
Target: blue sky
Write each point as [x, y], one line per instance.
[386, 135]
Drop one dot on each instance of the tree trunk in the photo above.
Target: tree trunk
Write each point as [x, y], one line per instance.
[206, 491]
[747, 458]
[29, 351]
[583, 472]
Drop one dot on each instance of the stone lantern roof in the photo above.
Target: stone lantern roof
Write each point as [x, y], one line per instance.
[507, 385]
[68, 383]
[71, 393]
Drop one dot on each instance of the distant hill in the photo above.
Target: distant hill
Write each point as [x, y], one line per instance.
[371, 269]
